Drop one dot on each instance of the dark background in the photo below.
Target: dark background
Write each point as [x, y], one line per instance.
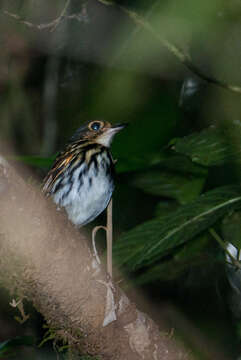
[97, 64]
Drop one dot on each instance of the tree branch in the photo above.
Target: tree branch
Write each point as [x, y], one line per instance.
[52, 25]
[184, 58]
[44, 259]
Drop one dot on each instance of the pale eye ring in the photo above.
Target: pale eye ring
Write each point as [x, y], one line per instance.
[96, 125]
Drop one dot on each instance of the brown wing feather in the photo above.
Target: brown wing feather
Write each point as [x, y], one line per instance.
[74, 153]
[58, 167]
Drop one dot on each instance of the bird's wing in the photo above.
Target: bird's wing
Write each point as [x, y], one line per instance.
[59, 166]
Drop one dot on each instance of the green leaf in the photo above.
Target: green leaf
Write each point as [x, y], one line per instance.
[231, 229]
[137, 161]
[8, 346]
[176, 186]
[210, 147]
[191, 254]
[166, 208]
[153, 239]
[180, 164]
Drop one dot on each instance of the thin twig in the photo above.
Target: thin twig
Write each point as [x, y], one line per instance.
[54, 23]
[184, 58]
[32, 25]
[109, 237]
[19, 305]
[61, 16]
[222, 244]
[21, 20]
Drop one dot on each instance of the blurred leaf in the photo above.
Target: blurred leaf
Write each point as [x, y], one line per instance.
[137, 162]
[7, 347]
[165, 207]
[231, 229]
[238, 326]
[165, 158]
[181, 164]
[210, 147]
[37, 161]
[157, 182]
[153, 239]
[192, 253]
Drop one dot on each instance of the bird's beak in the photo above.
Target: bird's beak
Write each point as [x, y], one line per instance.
[117, 127]
[107, 137]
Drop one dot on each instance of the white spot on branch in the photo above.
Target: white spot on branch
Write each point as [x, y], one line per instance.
[123, 304]
[138, 335]
[110, 307]
[155, 353]
[4, 164]
[95, 266]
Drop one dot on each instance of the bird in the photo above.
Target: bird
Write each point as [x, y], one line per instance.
[81, 179]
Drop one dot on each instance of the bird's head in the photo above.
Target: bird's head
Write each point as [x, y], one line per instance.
[97, 131]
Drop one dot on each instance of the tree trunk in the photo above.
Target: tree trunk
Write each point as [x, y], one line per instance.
[44, 259]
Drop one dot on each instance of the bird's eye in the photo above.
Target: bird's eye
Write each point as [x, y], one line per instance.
[95, 126]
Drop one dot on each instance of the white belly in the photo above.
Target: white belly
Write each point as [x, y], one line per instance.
[89, 194]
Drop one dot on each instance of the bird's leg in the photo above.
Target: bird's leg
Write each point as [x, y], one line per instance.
[109, 235]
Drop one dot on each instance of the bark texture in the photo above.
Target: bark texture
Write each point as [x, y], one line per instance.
[45, 259]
